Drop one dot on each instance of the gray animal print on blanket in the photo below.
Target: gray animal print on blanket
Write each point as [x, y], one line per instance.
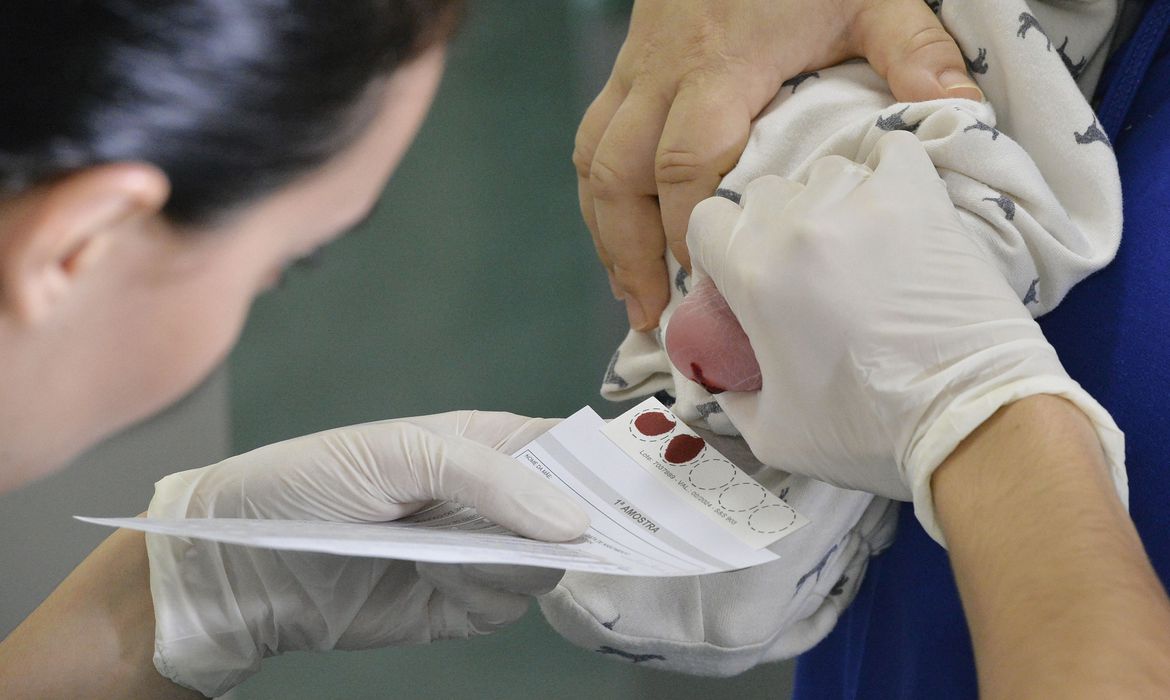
[1093, 133]
[795, 81]
[728, 194]
[1006, 204]
[980, 126]
[978, 65]
[708, 409]
[635, 658]
[680, 281]
[894, 122]
[1074, 69]
[1028, 21]
[612, 378]
[1033, 296]
[816, 570]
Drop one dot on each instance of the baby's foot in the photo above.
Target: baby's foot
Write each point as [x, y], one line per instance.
[706, 343]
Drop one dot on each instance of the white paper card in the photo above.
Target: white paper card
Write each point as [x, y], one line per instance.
[664, 446]
[641, 526]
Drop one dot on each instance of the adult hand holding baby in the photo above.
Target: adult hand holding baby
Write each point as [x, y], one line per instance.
[883, 332]
[674, 116]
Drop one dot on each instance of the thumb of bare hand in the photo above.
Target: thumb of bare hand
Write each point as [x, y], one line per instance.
[907, 45]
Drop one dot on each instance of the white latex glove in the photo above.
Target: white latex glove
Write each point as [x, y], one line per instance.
[883, 333]
[221, 608]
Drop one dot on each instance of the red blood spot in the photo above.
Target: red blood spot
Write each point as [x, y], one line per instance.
[697, 375]
[683, 448]
[653, 423]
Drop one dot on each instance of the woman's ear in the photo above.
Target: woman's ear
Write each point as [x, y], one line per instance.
[54, 234]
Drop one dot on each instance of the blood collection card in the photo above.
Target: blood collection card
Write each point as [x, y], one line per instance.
[661, 502]
[665, 447]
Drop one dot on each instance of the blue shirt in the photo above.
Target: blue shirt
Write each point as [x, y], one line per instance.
[905, 636]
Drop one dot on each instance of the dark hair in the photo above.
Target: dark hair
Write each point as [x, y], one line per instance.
[230, 98]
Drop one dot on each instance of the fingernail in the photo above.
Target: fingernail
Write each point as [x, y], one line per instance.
[636, 314]
[959, 84]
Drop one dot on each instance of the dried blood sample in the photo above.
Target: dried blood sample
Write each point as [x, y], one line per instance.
[654, 423]
[683, 448]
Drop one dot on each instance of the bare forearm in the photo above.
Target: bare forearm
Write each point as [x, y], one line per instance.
[94, 636]
[1059, 594]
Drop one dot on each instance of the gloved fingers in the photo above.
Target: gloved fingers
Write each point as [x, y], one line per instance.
[526, 580]
[900, 152]
[463, 607]
[505, 432]
[412, 464]
[394, 609]
[709, 236]
[765, 203]
[900, 166]
[830, 180]
[719, 228]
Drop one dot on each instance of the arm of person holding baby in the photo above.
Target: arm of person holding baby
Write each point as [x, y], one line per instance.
[917, 363]
[1002, 454]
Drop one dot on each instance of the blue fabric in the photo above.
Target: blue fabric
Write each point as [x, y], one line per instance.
[1130, 66]
[904, 636]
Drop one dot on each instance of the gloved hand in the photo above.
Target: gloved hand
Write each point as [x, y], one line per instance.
[884, 335]
[221, 608]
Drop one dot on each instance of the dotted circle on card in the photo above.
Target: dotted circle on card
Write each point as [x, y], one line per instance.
[772, 519]
[742, 496]
[712, 474]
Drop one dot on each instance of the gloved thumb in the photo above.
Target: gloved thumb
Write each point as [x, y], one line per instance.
[716, 223]
[709, 236]
[901, 164]
[907, 45]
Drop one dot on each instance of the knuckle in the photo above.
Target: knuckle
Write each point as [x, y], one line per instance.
[606, 180]
[678, 166]
[631, 272]
[813, 246]
[807, 243]
[583, 149]
[928, 39]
